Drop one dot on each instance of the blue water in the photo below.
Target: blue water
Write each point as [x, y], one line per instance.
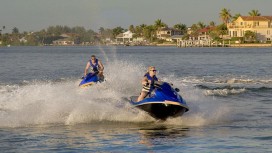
[42, 109]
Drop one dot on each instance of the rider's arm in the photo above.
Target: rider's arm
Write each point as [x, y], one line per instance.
[86, 68]
[101, 66]
[144, 81]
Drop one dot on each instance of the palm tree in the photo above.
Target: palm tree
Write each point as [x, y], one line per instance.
[201, 25]
[236, 16]
[116, 31]
[212, 24]
[181, 27]
[42, 35]
[143, 25]
[2, 29]
[254, 13]
[149, 32]
[101, 30]
[131, 28]
[194, 29]
[159, 24]
[225, 15]
[222, 30]
[137, 32]
[15, 30]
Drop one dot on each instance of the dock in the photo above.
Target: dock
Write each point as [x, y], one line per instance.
[200, 43]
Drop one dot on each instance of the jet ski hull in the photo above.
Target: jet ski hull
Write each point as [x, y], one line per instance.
[89, 80]
[164, 103]
[162, 110]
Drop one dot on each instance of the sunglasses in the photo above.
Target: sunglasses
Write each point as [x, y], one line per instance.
[154, 70]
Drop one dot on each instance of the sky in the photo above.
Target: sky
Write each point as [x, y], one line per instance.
[35, 15]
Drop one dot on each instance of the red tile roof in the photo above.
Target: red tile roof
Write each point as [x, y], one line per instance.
[206, 29]
[256, 18]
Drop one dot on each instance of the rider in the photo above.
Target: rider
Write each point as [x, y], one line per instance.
[148, 82]
[95, 66]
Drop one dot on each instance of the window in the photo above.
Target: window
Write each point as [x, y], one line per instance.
[268, 32]
[256, 23]
[234, 33]
[268, 39]
[241, 23]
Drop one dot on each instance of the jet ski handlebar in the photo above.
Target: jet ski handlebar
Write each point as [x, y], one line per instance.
[158, 84]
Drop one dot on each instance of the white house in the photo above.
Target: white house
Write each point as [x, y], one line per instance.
[66, 40]
[23, 40]
[125, 37]
[166, 33]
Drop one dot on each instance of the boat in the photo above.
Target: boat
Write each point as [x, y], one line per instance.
[89, 79]
[164, 103]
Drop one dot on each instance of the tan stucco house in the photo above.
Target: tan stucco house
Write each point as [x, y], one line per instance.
[261, 25]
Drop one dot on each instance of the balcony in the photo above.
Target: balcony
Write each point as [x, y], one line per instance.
[248, 26]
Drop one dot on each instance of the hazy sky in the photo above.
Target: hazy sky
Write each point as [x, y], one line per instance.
[34, 15]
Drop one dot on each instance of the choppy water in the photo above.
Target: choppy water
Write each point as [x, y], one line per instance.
[42, 109]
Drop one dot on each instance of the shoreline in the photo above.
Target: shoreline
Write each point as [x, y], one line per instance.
[165, 45]
[250, 45]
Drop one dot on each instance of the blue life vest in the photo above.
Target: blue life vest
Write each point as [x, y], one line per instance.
[95, 66]
[150, 78]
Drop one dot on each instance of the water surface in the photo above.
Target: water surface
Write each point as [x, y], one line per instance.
[42, 109]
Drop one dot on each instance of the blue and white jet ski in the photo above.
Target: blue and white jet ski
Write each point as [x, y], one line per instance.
[164, 103]
[89, 79]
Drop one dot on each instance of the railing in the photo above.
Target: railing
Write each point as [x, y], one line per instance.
[250, 26]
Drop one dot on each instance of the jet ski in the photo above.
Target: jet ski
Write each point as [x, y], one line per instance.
[89, 79]
[165, 102]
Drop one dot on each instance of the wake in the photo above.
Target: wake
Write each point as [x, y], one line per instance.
[63, 102]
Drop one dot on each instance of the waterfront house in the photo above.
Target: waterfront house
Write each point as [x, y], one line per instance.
[63, 42]
[66, 39]
[23, 40]
[204, 34]
[166, 33]
[198, 38]
[124, 38]
[261, 25]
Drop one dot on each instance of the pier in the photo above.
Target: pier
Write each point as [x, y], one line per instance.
[200, 43]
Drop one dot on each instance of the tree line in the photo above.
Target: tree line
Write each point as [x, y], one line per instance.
[81, 35]
[47, 36]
